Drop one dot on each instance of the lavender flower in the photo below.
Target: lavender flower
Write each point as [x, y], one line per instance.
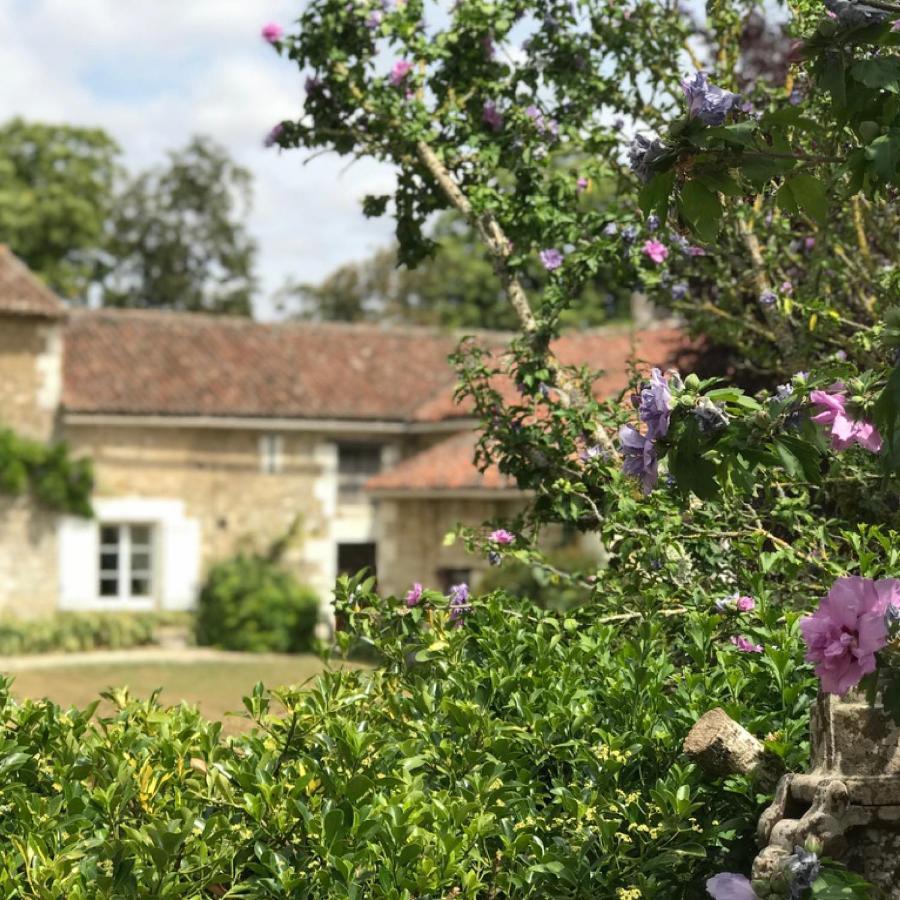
[655, 405]
[679, 290]
[375, 19]
[459, 602]
[643, 153]
[610, 229]
[784, 391]
[629, 233]
[652, 222]
[551, 259]
[768, 298]
[639, 457]
[492, 116]
[494, 558]
[705, 101]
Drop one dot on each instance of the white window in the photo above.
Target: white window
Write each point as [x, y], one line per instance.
[271, 453]
[126, 562]
[357, 463]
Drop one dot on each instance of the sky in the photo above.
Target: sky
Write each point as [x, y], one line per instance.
[152, 73]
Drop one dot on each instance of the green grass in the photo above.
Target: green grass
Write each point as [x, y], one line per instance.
[215, 687]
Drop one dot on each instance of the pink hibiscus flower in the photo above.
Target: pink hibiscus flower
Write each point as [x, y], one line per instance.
[656, 251]
[845, 432]
[399, 71]
[272, 32]
[848, 629]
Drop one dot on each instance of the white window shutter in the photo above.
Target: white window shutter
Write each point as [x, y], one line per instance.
[180, 563]
[79, 549]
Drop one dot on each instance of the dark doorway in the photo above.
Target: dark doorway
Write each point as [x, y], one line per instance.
[354, 557]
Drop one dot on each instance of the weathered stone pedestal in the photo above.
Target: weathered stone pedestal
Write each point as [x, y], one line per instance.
[850, 800]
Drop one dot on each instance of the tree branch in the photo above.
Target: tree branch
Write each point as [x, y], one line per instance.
[500, 249]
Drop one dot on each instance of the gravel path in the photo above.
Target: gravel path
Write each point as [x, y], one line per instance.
[136, 656]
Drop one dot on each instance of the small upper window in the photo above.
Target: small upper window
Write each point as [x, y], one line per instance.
[356, 464]
[271, 453]
[126, 562]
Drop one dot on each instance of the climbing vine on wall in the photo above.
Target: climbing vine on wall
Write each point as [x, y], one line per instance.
[48, 471]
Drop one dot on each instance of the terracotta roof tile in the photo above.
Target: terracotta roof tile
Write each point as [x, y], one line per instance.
[22, 293]
[163, 363]
[446, 466]
[449, 465]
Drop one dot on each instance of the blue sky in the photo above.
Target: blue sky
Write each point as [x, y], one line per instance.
[155, 72]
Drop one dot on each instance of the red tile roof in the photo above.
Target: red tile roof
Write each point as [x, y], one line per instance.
[446, 466]
[22, 293]
[164, 363]
[176, 364]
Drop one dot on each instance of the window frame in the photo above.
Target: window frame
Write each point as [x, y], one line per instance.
[271, 453]
[125, 570]
[350, 483]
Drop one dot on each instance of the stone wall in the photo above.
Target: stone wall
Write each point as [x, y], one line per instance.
[411, 538]
[30, 375]
[28, 559]
[217, 475]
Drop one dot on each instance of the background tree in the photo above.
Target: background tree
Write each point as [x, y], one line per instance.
[56, 191]
[455, 287]
[177, 238]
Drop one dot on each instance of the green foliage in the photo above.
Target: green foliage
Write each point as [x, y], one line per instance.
[251, 603]
[74, 632]
[455, 288]
[540, 581]
[56, 190]
[56, 480]
[177, 238]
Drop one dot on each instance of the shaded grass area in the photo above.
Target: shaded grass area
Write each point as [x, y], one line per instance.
[215, 687]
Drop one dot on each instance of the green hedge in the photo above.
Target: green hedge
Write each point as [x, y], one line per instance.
[73, 632]
[525, 754]
[251, 603]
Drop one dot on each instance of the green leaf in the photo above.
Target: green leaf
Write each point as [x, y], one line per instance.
[701, 208]
[333, 826]
[879, 72]
[884, 155]
[887, 418]
[806, 193]
[654, 196]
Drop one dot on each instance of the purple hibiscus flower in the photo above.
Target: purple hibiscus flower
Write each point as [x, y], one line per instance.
[414, 595]
[729, 886]
[399, 71]
[847, 630]
[274, 134]
[705, 101]
[272, 33]
[655, 405]
[491, 116]
[639, 457]
[745, 645]
[643, 153]
[551, 258]
[459, 602]
[845, 432]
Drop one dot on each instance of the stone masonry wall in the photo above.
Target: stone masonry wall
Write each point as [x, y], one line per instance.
[30, 375]
[28, 559]
[217, 475]
[411, 538]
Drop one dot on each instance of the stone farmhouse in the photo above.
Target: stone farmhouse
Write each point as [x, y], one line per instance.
[207, 433]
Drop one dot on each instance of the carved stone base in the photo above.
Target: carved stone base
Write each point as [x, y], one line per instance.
[850, 801]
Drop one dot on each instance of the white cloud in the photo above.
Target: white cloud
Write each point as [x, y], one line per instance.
[155, 73]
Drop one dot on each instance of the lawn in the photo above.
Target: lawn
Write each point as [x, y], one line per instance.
[215, 686]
